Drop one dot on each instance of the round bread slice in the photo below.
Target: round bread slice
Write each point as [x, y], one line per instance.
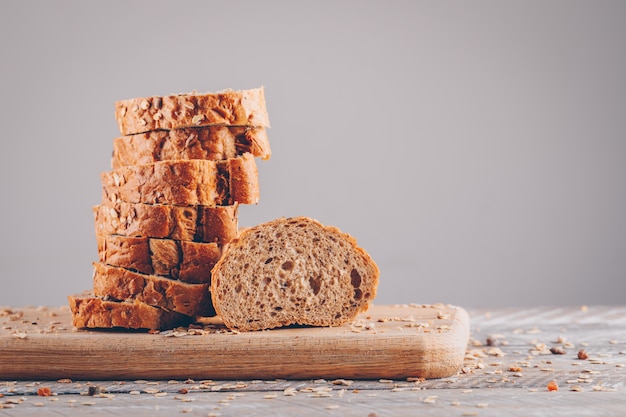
[292, 271]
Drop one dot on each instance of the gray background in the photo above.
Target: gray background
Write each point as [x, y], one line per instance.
[476, 150]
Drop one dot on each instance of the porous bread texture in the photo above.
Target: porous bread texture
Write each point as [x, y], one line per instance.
[233, 108]
[211, 143]
[122, 284]
[292, 271]
[89, 311]
[185, 182]
[177, 259]
[190, 223]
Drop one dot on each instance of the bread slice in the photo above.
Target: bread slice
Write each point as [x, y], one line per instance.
[122, 284]
[187, 182]
[187, 261]
[193, 223]
[292, 271]
[228, 107]
[211, 142]
[93, 312]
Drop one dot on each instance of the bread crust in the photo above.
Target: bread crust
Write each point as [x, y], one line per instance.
[233, 108]
[187, 261]
[89, 311]
[185, 182]
[292, 271]
[122, 284]
[193, 223]
[210, 143]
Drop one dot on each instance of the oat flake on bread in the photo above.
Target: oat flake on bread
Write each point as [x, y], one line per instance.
[292, 271]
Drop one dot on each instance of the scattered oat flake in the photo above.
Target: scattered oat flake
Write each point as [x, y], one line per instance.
[20, 335]
[332, 407]
[270, 397]
[482, 405]
[151, 390]
[470, 413]
[342, 382]
[430, 399]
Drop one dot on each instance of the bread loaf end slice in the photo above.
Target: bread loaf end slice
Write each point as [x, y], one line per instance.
[292, 271]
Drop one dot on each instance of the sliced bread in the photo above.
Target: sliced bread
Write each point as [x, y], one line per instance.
[211, 142]
[193, 223]
[234, 108]
[89, 311]
[292, 271]
[122, 284]
[185, 182]
[187, 261]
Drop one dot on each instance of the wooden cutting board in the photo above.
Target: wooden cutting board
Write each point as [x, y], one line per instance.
[390, 342]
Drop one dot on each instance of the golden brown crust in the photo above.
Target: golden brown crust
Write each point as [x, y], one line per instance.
[121, 284]
[210, 143]
[187, 261]
[89, 311]
[185, 182]
[233, 108]
[194, 223]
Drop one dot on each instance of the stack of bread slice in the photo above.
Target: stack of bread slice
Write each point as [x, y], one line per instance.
[180, 168]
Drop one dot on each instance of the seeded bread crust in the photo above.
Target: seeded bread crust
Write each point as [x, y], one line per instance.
[122, 284]
[193, 182]
[93, 312]
[192, 223]
[211, 143]
[292, 271]
[234, 108]
[187, 261]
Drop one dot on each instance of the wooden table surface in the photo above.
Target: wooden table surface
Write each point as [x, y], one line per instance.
[513, 356]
